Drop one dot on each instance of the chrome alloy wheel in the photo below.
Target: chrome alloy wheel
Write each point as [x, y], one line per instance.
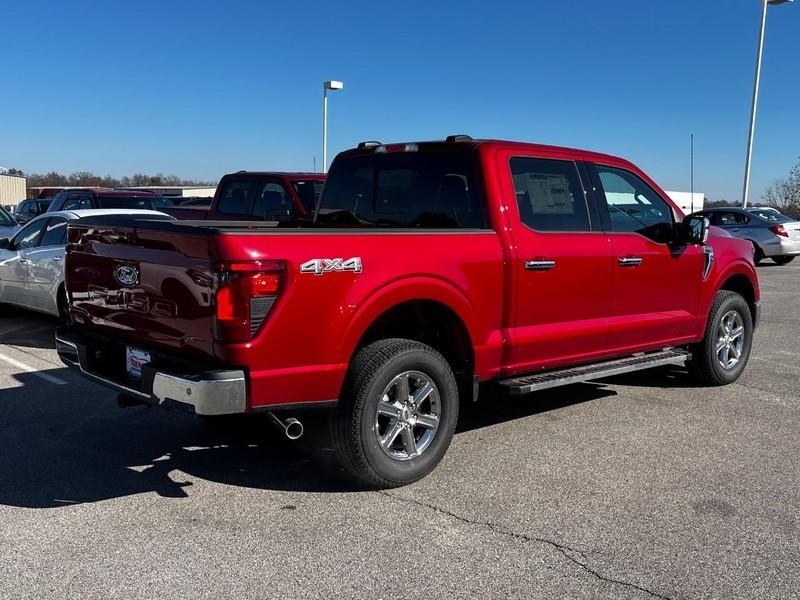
[409, 411]
[730, 339]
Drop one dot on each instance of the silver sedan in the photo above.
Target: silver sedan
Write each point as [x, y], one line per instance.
[773, 235]
[32, 260]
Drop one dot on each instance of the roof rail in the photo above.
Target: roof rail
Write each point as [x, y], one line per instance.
[458, 138]
[368, 144]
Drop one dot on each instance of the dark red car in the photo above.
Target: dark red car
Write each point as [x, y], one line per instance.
[288, 198]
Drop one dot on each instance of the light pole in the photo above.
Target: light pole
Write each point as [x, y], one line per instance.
[756, 83]
[328, 85]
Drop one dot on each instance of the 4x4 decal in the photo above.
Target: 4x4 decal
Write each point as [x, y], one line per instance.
[318, 266]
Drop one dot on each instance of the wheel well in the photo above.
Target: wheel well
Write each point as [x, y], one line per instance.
[742, 286]
[431, 323]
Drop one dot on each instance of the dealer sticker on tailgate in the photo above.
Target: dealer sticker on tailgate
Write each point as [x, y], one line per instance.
[134, 360]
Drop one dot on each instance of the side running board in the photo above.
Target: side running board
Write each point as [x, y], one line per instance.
[637, 362]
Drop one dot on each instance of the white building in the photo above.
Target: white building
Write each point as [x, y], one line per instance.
[12, 189]
[687, 201]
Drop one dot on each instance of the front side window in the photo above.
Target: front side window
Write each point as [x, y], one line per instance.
[549, 194]
[28, 237]
[635, 207]
[403, 189]
[55, 234]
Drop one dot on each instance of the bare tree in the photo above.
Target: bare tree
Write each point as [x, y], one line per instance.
[784, 194]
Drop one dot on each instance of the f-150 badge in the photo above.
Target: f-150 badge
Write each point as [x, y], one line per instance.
[318, 266]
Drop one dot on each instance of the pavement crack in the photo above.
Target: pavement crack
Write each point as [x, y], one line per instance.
[573, 555]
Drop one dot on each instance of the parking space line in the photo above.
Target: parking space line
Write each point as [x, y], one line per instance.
[29, 369]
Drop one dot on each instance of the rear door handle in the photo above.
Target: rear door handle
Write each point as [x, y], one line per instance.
[57, 258]
[630, 261]
[539, 265]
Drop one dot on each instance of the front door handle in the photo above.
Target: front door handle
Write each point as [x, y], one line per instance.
[630, 261]
[539, 265]
[23, 260]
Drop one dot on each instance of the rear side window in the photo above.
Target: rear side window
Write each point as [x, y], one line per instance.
[254, 198]
[728, 219]
[403, 189]
[549, 194]
[55, 234]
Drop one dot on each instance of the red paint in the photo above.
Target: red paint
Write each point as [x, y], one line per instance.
[517, 320]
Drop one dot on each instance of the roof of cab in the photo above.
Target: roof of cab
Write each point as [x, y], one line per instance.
[465, 143]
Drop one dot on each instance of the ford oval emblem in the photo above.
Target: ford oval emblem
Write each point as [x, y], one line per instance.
[127, 275]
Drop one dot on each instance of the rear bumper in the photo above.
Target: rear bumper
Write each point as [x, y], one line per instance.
[215, 392]
[782, 247]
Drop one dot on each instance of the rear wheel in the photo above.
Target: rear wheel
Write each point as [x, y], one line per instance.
[722, 355]
[782, 260]
[63, 304]
[397, 416]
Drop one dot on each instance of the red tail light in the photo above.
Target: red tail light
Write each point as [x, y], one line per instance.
[779, 230]
[246, 292]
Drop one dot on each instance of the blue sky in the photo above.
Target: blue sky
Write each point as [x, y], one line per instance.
[201, 88]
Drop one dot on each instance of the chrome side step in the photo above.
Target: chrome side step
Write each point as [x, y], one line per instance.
[637, 362]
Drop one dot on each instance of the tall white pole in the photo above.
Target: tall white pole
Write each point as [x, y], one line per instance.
[324, 129]
[746, 190]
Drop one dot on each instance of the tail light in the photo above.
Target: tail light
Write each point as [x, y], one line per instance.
[246, 292]
[779, 230]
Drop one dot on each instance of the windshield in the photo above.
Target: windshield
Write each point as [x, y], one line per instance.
[139, 202]
[308, 191]
[773, 216]
[403, 189]
[5, 218]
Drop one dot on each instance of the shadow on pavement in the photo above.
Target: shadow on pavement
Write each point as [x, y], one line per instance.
[27, 329]
[70, 444]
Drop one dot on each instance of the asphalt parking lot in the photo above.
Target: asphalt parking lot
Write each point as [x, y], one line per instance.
[641, 486]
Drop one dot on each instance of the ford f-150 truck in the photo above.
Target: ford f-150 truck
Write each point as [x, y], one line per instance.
[430, 267]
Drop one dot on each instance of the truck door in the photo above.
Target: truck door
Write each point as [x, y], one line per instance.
[656, 282]
[560, 269]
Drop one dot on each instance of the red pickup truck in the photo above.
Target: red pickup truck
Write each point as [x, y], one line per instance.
[286, 198]
[430, 267]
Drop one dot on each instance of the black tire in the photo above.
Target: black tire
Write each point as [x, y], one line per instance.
[758, 253]
[782, 260]
[355, 424]
[706, 364]
[62, 304]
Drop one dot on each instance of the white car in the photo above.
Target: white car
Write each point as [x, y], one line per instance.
[32, 261]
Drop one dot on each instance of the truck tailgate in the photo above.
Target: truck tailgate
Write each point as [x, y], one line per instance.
[143, 285]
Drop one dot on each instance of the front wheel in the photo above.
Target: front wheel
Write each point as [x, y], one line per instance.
[782, 260]
[397, 416]
[722, 355]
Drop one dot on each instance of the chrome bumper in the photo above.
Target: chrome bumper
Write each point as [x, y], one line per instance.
[208, 393]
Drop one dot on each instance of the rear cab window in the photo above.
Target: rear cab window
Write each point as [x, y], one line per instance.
[265, 199]
[410, 189]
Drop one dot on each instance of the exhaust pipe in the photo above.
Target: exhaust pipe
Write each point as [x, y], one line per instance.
[291, 427]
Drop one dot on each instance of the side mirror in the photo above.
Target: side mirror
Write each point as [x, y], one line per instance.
[4, 243]
[695, 229]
